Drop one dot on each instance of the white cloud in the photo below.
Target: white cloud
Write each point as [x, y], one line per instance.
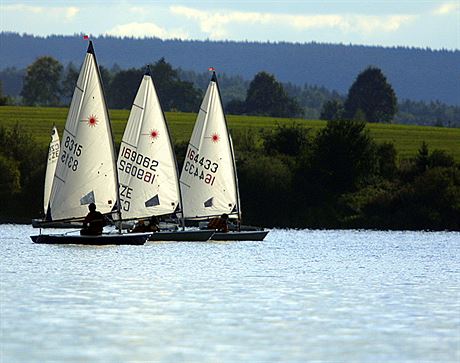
[137, 10]
[447, 8]
[68, 12]
[215, 23]
[23, 8]
[142, 30]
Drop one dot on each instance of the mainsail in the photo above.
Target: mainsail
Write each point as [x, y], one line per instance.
[85, 171]
[208, 179]
[146, 163]
[53, 156]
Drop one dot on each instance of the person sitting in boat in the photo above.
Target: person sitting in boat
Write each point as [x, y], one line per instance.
[94, 222]
[219, 223]
[142, 227]
[154, 224]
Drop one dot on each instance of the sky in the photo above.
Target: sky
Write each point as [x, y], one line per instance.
[434, 24]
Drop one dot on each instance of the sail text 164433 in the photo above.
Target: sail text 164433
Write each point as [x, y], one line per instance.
[208, 181]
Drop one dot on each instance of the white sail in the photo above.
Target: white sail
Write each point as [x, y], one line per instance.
[146, 164]
[85, 171]
[208, 180]
[53, 156]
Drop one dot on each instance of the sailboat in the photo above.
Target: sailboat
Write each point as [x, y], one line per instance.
[86, 169]
[53, 157]
[147, 167]
[208, 180]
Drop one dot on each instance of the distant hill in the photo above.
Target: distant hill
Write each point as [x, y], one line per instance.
[416, 74]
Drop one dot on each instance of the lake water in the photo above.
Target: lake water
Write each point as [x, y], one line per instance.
[332, 296]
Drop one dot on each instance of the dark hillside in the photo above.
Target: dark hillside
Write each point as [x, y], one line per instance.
[417, 74]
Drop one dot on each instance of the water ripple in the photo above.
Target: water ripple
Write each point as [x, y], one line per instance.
[298, 296]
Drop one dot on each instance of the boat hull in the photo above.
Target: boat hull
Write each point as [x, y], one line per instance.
[181, 236]
[101, 240]
[239, 236]
[40, 223]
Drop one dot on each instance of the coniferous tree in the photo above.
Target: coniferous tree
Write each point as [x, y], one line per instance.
[372, 96]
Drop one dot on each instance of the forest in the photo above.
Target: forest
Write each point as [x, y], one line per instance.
[181, 90]
[289, 176]
[415, 73]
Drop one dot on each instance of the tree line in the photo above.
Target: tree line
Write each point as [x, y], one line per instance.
[415, 73]
[46, 82]
[290, 177]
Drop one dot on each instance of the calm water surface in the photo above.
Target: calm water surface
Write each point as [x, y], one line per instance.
[335, 296]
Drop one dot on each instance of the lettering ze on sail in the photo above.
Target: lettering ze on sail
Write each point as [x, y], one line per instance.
[137, 165]
[125, 197]
[72, 150]
[199, 167]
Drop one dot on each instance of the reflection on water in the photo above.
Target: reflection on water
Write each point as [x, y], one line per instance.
[298, 296]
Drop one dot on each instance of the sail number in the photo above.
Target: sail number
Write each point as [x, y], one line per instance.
[194, 165]
[205, 163]
[53, 152]
[137, 165]
[125, 197]
[72, 150]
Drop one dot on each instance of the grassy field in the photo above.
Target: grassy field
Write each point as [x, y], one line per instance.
[407, 139]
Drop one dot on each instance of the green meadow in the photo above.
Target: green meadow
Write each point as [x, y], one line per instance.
[407, 139]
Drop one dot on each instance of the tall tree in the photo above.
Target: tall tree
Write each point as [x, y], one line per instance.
[174, 93]
[344, 156]
[332, 110]
[69, 82]
[266, 96]
[41, 84]
[3, 99]
[123, 88]
[372, 96]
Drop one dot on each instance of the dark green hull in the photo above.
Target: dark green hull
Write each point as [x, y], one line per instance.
[182, 236]
[240, 236]
[101, 240]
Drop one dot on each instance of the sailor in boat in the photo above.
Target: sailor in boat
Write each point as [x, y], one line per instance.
[94, 222]
[219, 223]
[153, 225]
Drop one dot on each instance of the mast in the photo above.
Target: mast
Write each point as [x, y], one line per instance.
[214, 79]
[114, 160]
[148, 73]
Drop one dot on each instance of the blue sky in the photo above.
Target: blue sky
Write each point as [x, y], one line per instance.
[434, 24]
